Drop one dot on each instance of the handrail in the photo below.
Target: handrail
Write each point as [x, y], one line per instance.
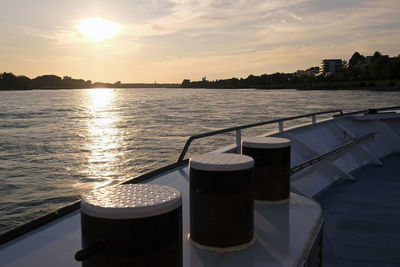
[388, 108]
[236, 128]
[319, 158]
[366, 111]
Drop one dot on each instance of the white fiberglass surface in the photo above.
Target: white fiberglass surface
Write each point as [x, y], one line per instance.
[282, 233]
[51, 245]
[394, 125]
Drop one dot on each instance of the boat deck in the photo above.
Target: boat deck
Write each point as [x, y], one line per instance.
[284, 234]
[362, 217]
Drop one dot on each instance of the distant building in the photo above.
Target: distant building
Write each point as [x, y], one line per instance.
[331, 66]
[313, 71]
[204, 79]
[299, 72]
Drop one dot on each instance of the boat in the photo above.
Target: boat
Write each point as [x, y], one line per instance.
[343, 210]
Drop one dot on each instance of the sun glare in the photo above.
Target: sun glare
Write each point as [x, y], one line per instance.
[97, 29]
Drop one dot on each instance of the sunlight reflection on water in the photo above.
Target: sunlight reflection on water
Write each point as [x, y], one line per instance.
[104, 140]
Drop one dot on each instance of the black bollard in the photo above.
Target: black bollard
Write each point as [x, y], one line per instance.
[271, 167]
[131, 225]
[221, 201]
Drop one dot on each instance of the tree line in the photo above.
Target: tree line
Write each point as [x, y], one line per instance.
[377, 71]
[9, 81]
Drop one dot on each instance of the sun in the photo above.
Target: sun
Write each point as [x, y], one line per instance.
[97, 29]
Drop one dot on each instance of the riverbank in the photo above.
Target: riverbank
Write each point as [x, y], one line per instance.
[351, 89]
[367, 88]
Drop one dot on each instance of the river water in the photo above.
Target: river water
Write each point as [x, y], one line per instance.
[55, 145]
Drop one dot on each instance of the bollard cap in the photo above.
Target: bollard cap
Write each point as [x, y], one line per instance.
[221, 162]
[130, 201]
[266, 142]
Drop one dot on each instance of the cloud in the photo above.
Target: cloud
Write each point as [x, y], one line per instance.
[234, 37]
[219, 38]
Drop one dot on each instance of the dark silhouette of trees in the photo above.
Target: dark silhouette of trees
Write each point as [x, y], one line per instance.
[185, 83]
[355, 67]
[378, 63]
[356, 60]
[47, 82]
[55, 82]
[360, 71]
[9, 81]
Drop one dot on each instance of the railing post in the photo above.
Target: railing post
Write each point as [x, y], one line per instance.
[238, 141]
[314, 119]
[280, 126]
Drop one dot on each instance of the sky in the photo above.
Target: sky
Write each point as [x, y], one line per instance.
[166, 41]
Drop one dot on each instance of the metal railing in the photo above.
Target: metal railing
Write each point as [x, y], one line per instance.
[369, 111]
[246, 126]
[335, 151]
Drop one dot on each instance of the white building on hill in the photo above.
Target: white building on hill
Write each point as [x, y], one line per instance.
[331, 66]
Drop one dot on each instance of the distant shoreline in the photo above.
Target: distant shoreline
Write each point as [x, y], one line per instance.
[16, 90]
[352, 89]
[376, 88]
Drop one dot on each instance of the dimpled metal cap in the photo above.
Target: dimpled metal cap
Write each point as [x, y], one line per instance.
[221, 162]
[266, 142]
[130, 201]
